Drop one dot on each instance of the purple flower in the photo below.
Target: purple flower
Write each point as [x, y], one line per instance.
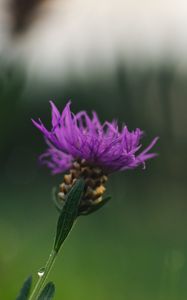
[77, 136]
[86, 148]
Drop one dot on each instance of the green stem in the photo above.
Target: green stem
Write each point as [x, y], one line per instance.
[42, 278]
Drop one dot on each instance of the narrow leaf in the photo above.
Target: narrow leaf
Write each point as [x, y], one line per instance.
[48, 292]
[69, 213]
[25, 290]
[95, 207]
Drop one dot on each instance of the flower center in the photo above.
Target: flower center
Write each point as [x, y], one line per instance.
[95, 180]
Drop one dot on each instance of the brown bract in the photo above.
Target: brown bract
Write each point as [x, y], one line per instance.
[95, 180]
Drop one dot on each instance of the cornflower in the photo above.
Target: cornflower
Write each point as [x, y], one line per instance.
[83, 147]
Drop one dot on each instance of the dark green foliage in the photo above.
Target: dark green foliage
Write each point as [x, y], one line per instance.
[25, 290]
[48, 292]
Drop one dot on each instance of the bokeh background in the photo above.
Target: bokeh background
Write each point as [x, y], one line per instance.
[126, 60]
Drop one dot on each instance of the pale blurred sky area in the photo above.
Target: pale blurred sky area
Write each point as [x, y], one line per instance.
[81, 36]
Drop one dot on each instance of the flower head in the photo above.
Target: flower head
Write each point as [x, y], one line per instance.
[90, 149]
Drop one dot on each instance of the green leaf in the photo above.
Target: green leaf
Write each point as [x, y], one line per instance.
[48, 292]
[25, 290]
[69, 213]
[95, 207]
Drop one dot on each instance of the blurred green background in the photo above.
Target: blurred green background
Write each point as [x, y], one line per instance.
[135, 248]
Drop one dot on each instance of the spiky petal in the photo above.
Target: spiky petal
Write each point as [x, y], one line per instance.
[77, 137]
